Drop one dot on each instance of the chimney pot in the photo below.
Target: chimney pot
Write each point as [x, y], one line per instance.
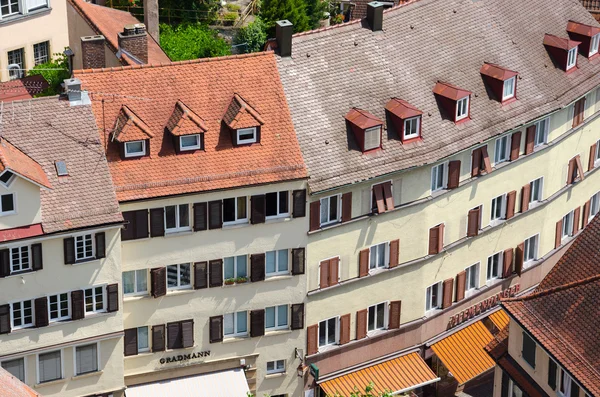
[283, 35]
[134, 41]
[73, 89]
[375, 15]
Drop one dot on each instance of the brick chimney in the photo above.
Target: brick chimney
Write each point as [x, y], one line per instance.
[151, 18]
[92, 52]
[134, 41]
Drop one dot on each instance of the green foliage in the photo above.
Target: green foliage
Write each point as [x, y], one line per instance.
[54, 71]
[315, 10]
[230, 16]
[337, 19]
[233, 7]
[191, 41]
[272, 11]
[254, 35]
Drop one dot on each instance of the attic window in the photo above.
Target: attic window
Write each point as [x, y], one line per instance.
[244, 121]
[189, 142]
[135, 148]
[411, 127]
[366, 128]
[564, 51]
[246, 135]
[509, 89]
[594, 44]
[61, 168]
[462, 108]
[372, 138]
[6, 177]
[455, 101]
[572, 58]
[587, 36]
[406, 119]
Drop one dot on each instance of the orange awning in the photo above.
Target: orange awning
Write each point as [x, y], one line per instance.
[397, 375]
[500, 319]
[463, 352]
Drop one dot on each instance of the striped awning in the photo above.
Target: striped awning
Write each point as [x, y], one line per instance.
[500, 319]
[400, 374]
[463, 352]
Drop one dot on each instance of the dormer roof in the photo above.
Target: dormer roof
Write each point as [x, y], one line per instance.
[450, 91]
[402, 109]
[362, 119]
[582, 29]
[559, 42]
[21, 164]
[129, 127]
[240, 114]
[497, 72]
[184, 121]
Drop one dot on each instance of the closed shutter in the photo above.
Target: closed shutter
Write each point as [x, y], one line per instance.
[574, 390]
[130, 342]
[461, 284]
[578, 112]
[519, 256]
[552, 369]
[257, 322]
[346, 206]
[141, 224]
[158, 338]
[387, 195]
[361, 324]
[558, 234]
[592, 157]
[257, 267]
[36, 256]
[112, 297]
[4, 319]
[4, 262]
[511, 199]
[436, 239]
[128, 230]
[258, 208]
[576, 220]
[363, 263]
[447, 293]
[395, 309]
[200, 217]
[215, 270]
[77, 305]
[297, 261]
[334, 266]
[530, 139]
[298, 316]
[174, 336]
[345, 329]
[187, 332]
[440, 229]
[525, 193]
[473, 222]
[586, 212]
[571, 171]
[324, 274]
[394, 253]
[504, 386]
[200, 275]
[216, 329]
[158, 282]
[515, 145]
[453, 174]
[69, 250]
[579, 167]
[378, 193]
[507, 262]
[299, 203]
[41, 312]
[315, 215]
[486, 160]
[100, 245]
[312, 338]
[157, 222]
[476, 163]
[215, 215]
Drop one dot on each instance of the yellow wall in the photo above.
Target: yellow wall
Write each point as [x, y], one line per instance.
[27, 203]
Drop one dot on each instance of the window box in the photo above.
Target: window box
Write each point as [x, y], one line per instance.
[241, 280]
[229, 281]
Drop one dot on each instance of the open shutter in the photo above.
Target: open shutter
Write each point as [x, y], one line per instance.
[187, 332]
[130, 342]
[315, 215]
[511, 199]
[346, 206]
[4, 262]
[345, 329]
[515, 145]
[525, 193]
[447, 293]
[200, 275]
[299, 203]
[141, 224]
[257, 322]
[486, 160]
[436, 239]
[158, 282]
[297, 261]
[578, 112]
[440, 230]
[69, 250]
[461, 284]
[519, 256]
[473, 222]
[100, 245]
[324, 274]
[579, 167]
[558, 234]
[298, 316]
[378, 192]
[363, 263]
[576, 219]
[215, 269]
[5, 319]
[387, 195]
[112, 297]
[157, 222]
[592, 156]
[476, 162]
[77, 305]
[41, 312]
[586, 213]
[530, 139]
[507, 263]
[200, 217]
[453, 174]
[571, 171]
[361, 324]
[36, 256]
[395, 308]
[174, 337]
[215, 214]
[312, 337]
[216, 329]
[158, 338]
[257, 267]
[258, 209]
[394, 253]
[334, 266]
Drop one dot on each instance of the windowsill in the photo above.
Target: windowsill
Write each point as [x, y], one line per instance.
[471, 292]
[60, 323]
[493, 281]
[278, 332]
[181, 348]
[141, 354]
[234, 339]
[325, 348]
[438, 192]
[8, 213]
[276, 219]
[377, 270]
[181, 291]
[496, 222]
[85, 261]
[535, 204]
[278, 277]
[87, 375]
[376, 332]
[324, 225]
[22, 272]
[235, 225]
[277, 375]
[529, 263]
[133, 298]
[176, 233]
[50, 383]
[432, 312]
[235, 284]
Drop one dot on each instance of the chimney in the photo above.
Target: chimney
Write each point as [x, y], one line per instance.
[92, 52]
[151, 18]
[283, 36]
[375, 15]
[134, 41]
[75, 94]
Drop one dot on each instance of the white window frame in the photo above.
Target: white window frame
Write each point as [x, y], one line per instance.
[329, 221]
[243, 131]
[135, 282]
[409, 122]
[528, 250]
[494, 205]
[434, 177]
[18, 73]
[431, 306]
[491, 277]
[538, 200]
[385, 317]
[594, 206]
[474, 267]
[193, 147]
[337, 332]
[541, 134]
[41, 58]
[236, 220]
[24, 367]
[22, 314]
[280, 214]
[276, 367]
[19, 249]
[386, 256]
[278, 272]
[572, 58]
[597, 158]
[511, 94]
[567, 220]
[511, 386]
[236, 333]
[276, 311]
[595, 40]
[94, 297]
[10, 179]
[59, 318]
[502, 157]
[14, 199]
[179, 285]
[129, 153]
[62, 365]
[20, 7]
[83, 236]
[235, 266]
[369, 130]
[563, 379]
[98, 369]
[143, 349]
[178, 228]
[459, 105]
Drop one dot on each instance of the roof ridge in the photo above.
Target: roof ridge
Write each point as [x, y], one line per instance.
[559, 288]
[42, 98]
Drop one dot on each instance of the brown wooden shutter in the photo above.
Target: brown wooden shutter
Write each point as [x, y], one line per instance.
[361, 324]
[41, 312]
[586, 212]
[461, 284]
[100, 245]
[453, 174]
[346, 206]
[215, 269]
[200, 275]
[158, 281]
[257, 322]
[315, 215]
[515, 145]
[36, 256]
[363, 263]
[299, 203]
[298, 316]
[257, 267]
[77, 305]
[378, 193]
[297, 261]
[486, 160]
[394, 253]
[324, 274]
[334, 265]
[571, 171]
[519, 257]
[345, 329]
[592, 156]
[576, 219]
[579, 167]
[395, 309]
[473, 222]
[216, 329]
[174, 336]
[507, 263]
[578, 112]
[525, 193]
[387, 195]
[5, 319]
[158, 338]
[558, 234]
[69, 250]
[511, 199]
[112, 297]
[447, 293]
[200, 217]
[530, 139]
[258, 209]
[130, 342]
[141, 224]
[476, 162]
[128, 230]
[187, 332]
[215, 214]
[312, 338]
[157, 222]
[4, 262]
[436, 243]
[440, 229]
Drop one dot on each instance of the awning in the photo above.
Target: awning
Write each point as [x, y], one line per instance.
[231, 383]
[500, 319]
[400, 374]
[463, 352]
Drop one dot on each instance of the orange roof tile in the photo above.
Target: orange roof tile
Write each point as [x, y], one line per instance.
[402, 109]
[128, 127]
[184, 121]
[497, 72]
[13, 387]
[362, 119]
[450, 91]
[240, 114]
[559, 42]
[21, 164]
[207, 86]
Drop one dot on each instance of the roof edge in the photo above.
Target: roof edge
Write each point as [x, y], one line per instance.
[549, 291]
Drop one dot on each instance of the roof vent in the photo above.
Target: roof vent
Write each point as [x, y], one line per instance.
[588, 35]
[283, 34]
[75, 94]
[375, 15]
[61, 168]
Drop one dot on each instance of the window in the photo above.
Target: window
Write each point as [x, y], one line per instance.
[498, 208]
[377, 317]
[594, 205]
[567, 225]
[277, 262]
[572, 58]
[502, 151]
[594, 44]
[528, 351]
[275, 367]
[9, 7]
[276, 317]
[411, 127]
[462, 108]
[84, 247]
[86, 359]
[189, 142]
[135, 148]
[536, 190]
[15, 57]
[541, 131]
[40, 53]
[438, 177]
[6, 177]
[235, 324]
[379, 256]
[597, 156]
[330, 209]
[246, 135]
[328, 332]
[494, 266]
[7, 204]
[143, 343]
[372, 138]
[22, 314]
[531, 247]
[277, 204]
[434, 297]
[514, 390]
[177, 218]
[235, 267]
[566, 385]
[509, 88]
[178, 276]
[58, 306]
[234, 210]
[19, 259]
[94, 300]
[50, 366]
[472, 277]
[135, 282]
[16, 368]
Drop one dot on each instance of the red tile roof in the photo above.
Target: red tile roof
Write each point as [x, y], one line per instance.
[21, 164]
[128, 127]
[559, 42]
[13, 387]
[184, 121]
[362, 119]
[497, 72]
[240, 114]
[208, 87]
[24, 88]
[450, 91]
[22, 232]
[402, 109]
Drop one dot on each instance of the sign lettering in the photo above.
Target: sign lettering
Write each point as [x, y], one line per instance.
[482, 307]
[185, 357]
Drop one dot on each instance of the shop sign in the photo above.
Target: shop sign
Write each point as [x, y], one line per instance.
[185, 357]
[482, 306]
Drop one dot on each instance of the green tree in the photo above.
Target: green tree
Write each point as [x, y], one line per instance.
[294, 11]
[55, 71]
[191, 41]
[315, 10]
[254, 35]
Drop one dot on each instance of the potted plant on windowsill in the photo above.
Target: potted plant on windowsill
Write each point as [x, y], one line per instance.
[229, 281]
[241, 280]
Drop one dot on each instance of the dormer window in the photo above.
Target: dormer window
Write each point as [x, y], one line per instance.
[186, 128]
[189, 142]
[500, 81]
[509, 89]
[132, 134]
[412, 127]
[594, 44]
[587, 35]
[135, 148]
[406, 119]
[563, 51]
[246, 135]
[462, 108]
[366, 128]
[455, 101]
[572, 58]
[372, 138]
[243, 121]
[6, 177]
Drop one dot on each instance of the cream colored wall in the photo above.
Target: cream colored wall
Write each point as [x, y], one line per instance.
[27, 203]
[25, 32]
[201, 304]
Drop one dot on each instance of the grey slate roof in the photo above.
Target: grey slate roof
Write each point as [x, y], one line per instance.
[47, 130]
[332, 70]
